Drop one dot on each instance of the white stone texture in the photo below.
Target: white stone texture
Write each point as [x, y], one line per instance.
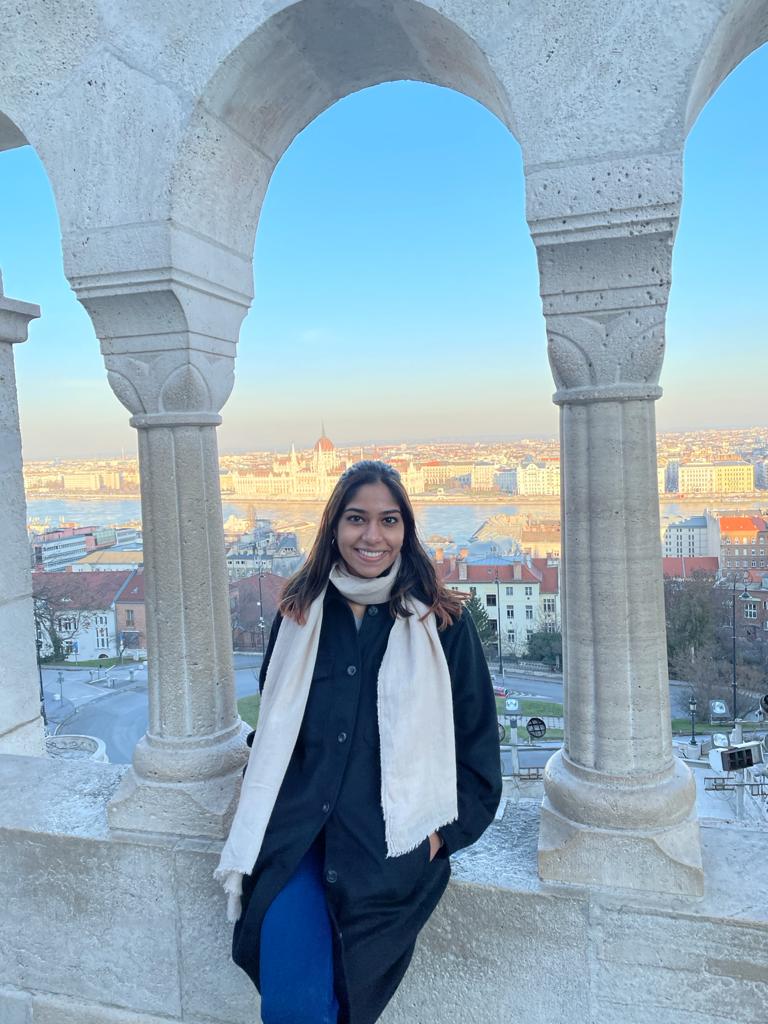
[98, 929]
[159, 126]
[169, 351]
[21, 726]
[619, 808]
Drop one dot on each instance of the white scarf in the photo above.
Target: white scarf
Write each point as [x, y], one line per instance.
[415, 709]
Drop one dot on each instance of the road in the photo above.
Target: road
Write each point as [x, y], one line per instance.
[118, 715]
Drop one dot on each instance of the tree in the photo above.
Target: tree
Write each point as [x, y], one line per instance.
[480, 618]
[546, 646]
[692, 611]
[56, 623]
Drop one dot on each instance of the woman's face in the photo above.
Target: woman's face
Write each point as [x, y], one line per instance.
[370, 532]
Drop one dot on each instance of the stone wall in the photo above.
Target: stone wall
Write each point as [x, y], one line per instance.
[99, 928]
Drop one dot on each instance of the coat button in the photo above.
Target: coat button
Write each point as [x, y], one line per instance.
[351, 670]
[372, 609]
[342, 737]
[331, 876]
[326, 807]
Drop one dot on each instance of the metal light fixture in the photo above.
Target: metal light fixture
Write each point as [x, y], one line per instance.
[692, 709]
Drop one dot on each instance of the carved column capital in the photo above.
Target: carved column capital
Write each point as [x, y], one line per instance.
[181, 387]
[168, 338]
[607, 356]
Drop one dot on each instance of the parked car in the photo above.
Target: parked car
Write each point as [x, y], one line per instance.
[501, 691]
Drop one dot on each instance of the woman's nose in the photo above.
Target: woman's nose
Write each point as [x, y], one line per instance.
[372, 532]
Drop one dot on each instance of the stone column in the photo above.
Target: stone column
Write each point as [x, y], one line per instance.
[21, 725]
[169, 353]
[618, 807]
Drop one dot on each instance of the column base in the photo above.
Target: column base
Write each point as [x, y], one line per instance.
[204, 807]
[666, 860]
[27, 739]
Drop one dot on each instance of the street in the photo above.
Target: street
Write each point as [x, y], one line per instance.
[116, 714]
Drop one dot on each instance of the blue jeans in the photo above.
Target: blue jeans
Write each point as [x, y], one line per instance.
[296, 960]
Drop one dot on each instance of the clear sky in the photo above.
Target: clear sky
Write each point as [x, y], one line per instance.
[393, 255]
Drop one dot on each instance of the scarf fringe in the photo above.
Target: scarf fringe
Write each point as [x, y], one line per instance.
[232, 882]
[398, 846]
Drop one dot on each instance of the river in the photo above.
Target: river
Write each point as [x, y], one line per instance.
[451, 519]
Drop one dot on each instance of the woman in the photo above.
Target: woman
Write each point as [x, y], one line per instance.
[376, 756]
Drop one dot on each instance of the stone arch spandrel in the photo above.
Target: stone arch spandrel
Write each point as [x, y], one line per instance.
[282, 76]
[742, 29]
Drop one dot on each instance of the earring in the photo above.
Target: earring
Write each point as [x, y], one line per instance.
[333, 540]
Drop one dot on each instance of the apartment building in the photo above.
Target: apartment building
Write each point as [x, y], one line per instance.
[520, 597]
[79, 610]
[538, 476]
[743, 543]
[694, 537]
[731, 477]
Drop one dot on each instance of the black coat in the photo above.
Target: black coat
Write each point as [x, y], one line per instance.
[332, 786]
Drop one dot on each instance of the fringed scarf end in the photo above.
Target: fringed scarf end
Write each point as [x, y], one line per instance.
[233, 887]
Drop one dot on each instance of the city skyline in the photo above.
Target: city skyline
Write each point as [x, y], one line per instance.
[397, 288]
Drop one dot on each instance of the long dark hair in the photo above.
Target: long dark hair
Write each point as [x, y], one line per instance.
[417, 574]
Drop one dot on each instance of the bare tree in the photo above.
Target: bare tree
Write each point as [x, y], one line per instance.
[57, 623]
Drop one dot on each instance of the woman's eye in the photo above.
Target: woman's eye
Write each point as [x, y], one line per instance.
[354, 518]
[391, 520]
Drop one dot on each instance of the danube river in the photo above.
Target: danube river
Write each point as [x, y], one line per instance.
[449, 519]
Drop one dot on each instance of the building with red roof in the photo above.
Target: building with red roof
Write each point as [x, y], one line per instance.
[743, 543]
[520, 596]
[687, 568]
[76, 612]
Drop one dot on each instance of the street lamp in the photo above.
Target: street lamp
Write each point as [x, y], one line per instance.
[40, 674]
[692, 709]
[498, 618]
[261, 613]
[744, 596]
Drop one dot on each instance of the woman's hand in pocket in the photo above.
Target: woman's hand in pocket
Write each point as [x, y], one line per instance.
[435, 842]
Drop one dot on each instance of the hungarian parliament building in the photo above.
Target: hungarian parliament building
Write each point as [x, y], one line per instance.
[309, 475]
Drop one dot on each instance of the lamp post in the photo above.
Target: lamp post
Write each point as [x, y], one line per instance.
[40, 674]
[744, 596]
[692, 709]
[498, 619]
[261, 613]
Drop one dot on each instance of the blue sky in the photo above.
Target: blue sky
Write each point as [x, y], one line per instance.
[393, 258]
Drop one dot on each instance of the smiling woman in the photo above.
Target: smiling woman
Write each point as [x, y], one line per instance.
[375, 757]
[370, 532]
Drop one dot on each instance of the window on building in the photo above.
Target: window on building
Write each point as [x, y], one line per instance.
[511, 635]
[472, 591]
[510, 591]
[529, 611]
[727, 540]
[490, 600]
[493, 624]
[754, 564]
[549, 605]
[529, 591]
[510, 613]
[750, 610]
[529, 633]
[728, 564]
